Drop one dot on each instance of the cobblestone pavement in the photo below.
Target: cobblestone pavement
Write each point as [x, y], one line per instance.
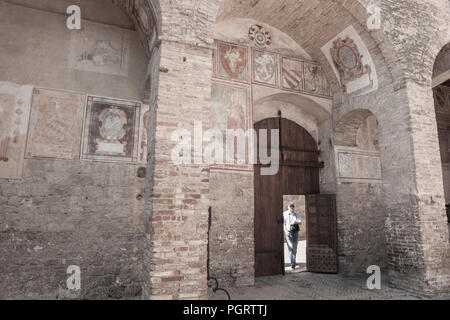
[300, 285]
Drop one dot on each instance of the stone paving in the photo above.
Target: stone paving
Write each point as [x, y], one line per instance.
[300, 285]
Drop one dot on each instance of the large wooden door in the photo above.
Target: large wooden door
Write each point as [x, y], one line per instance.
[321, 234]
[298, 175]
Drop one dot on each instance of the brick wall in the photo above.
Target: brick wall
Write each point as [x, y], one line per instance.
[232, 231]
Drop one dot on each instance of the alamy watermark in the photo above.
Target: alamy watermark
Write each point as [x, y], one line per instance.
[229, 147]
[74, 20]
[374, 281]
[74, 280]
[374, 21]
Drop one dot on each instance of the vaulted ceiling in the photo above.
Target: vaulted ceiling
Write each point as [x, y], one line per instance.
[400, 44]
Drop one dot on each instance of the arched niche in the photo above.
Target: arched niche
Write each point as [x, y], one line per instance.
[358, 129]
[357, 147]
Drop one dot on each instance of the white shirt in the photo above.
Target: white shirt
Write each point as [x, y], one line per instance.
[290, 218]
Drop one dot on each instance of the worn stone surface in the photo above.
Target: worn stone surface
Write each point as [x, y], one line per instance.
[72, 213]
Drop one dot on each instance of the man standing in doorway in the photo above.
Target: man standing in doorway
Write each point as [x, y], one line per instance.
[292, 224]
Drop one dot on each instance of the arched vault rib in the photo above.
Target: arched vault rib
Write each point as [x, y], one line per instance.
[146, 15]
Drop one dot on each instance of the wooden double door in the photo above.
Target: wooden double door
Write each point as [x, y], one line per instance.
[298, 174]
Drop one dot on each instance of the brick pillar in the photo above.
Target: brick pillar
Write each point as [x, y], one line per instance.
[432, 220]
[176, 252]
[418, 242]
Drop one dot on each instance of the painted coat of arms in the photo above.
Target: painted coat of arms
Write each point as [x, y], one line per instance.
[265, 67]
[232, 62]
[315, 81]
[292, 74]
[111, 130]
[348, 62]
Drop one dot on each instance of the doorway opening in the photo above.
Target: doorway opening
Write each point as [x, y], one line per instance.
[298, 175]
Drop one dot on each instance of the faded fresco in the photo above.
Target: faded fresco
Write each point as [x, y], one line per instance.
[359, 166]
[292, 74]
[143, 134]
[111, 129]
[55, 124]
[104, 51]
[265, 67]
[230, 106]
[296, 75]
[14, 116]
[315, 81]
[352, 62]
[233, 62]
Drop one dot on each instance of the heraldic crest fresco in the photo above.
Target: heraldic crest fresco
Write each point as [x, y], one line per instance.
[110, 130]
[348, 62]
[233, 62]
[315, 81]
[265, 67]
[292, 74]
[304, 77]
